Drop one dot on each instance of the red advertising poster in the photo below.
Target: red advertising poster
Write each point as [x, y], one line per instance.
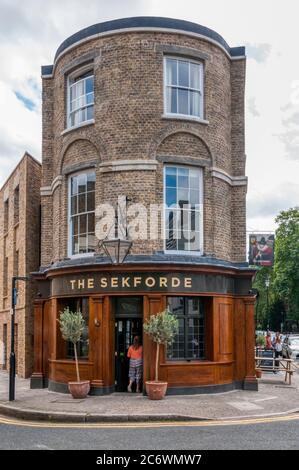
[261, 249]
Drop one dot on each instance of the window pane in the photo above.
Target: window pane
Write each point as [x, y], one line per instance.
[91, 222]
[171, 176]
[75, 225]
[89, 113]
[171, 242]
[171, 196]
[194, 241]
[183, 178]
[195, 76]
[81, 203]
[194, 196]
[194, 179]
[182, 101]
[83, 223]
[82, 243]
[171, 100]
[194, 103]
[81, 183]
[171, 71]
[183, 73]
[176, 305]
[91, 178]
[89, 85]
[91, 242]
[90, 201]
[74, 205]
[177, 349]
[75, 245]
[183, 197]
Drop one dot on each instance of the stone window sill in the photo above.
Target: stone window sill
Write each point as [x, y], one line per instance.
[74, 128]
[178, 117]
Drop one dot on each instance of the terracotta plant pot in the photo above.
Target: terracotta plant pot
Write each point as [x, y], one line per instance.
[258, 373]
[79, 389]
[155, 390]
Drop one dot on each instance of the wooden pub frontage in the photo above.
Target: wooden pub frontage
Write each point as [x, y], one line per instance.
[212, 352]
[152, 110]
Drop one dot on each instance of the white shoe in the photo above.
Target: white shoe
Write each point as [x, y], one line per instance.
[129, 388]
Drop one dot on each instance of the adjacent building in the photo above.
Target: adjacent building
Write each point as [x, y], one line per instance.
[146, 114]
[19, 255]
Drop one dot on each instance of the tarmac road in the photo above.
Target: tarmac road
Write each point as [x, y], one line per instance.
[261, 433]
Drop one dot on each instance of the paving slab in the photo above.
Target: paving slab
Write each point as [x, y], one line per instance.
[273, 398]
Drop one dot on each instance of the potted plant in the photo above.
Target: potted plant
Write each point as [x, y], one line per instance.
[72, 325]
[260, 341]
[260, 344]
[161, 329]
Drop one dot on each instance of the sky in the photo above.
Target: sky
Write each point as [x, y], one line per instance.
[32, 30]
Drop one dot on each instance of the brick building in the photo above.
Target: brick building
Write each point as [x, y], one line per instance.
[19, 255]
[152, 110]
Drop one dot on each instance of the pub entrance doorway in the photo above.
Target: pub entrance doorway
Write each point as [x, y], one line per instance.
[128, 323]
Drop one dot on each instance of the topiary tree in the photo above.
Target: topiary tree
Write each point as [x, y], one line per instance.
[161, 328]
[72, 325]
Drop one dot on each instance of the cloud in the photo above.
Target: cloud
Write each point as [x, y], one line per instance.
[252, 108]
[30, 33]
[270, 203]
[258, 52]
[290, 122]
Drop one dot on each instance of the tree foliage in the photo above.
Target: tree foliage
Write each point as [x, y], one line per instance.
[161, 328]
[280, 302]
[286, 266]
[72, 325]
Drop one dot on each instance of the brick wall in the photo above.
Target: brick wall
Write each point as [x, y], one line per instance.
[20, 245]
[130, 125]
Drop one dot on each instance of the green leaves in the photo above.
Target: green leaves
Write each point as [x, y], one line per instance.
[162, 327]
[71, 325]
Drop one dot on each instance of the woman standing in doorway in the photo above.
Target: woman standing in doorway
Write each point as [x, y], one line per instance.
[135, 371]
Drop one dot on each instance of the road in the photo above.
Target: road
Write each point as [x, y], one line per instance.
[268, 433]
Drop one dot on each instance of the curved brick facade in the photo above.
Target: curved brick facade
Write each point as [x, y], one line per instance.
[127, 146]
[129, 125]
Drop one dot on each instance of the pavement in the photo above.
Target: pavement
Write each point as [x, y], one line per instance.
[274, 398]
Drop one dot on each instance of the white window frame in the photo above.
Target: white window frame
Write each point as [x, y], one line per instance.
[69, 218]
[201, 91]
[70, 78]
[201, 231]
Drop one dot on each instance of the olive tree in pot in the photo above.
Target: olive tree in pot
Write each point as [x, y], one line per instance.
[72, 325]
[161, 329]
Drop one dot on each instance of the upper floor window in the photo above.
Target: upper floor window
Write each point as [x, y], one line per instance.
[183, 194]
[80, 99]
[82, 213]
[183, 87]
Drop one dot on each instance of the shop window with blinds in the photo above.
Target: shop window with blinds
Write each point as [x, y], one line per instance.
[189, 343]
[82, 213]
[75, 305]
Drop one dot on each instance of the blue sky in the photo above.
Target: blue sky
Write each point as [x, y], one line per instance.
[31, 31]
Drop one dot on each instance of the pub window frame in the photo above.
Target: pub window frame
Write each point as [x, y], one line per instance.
[185, 317]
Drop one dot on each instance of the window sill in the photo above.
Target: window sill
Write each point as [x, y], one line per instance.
[82, 255]
[183, 253]
[83, 124]
[182, 117]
